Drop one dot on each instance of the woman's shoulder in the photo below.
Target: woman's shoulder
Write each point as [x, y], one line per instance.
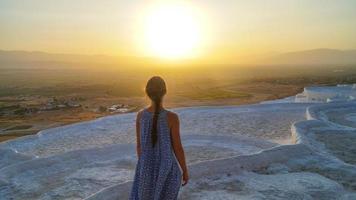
[140, 113]
[172, 116]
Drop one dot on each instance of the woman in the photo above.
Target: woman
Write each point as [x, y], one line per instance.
[158, 175]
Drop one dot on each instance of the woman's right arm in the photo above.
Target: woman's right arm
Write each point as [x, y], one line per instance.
[177, 146]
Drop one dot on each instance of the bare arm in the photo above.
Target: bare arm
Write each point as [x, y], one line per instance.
[138, 140]
[177, 146]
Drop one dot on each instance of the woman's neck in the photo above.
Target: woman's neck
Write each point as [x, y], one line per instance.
[152, 107]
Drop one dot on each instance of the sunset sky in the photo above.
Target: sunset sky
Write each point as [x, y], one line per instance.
[225, 29]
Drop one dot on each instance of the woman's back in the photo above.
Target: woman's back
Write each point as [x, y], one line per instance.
[163, 141]
[158, 175]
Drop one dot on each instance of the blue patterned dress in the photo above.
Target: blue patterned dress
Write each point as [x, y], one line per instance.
[158, 176]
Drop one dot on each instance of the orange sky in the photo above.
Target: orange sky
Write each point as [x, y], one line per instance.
[230, 29]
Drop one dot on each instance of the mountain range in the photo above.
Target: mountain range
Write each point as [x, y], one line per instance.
[308, 57]
[314, 57]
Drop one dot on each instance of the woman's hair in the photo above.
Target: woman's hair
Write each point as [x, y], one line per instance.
[155, 90]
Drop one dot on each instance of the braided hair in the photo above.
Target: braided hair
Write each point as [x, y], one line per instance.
[155, 90]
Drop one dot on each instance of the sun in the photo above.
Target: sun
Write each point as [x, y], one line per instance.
[172, 31]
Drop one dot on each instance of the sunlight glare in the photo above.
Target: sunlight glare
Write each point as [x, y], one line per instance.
[172, 31]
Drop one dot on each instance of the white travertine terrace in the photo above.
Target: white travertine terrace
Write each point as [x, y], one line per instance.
[234, 152]
[327, 94]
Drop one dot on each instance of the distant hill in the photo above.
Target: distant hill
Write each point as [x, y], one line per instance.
[313, 57]
[28, 59]
[34, 56]
[37, 59]
[41, 59]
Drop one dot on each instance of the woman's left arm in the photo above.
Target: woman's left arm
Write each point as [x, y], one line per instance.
[138, 136]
